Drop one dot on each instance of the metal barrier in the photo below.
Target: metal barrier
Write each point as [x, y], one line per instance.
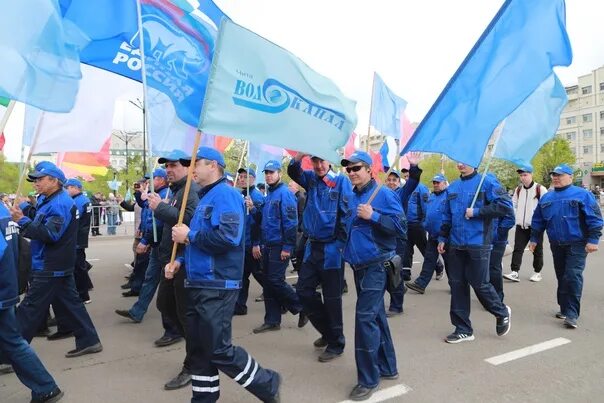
[105, 222]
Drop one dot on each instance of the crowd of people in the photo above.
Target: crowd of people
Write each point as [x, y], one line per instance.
[197, 246]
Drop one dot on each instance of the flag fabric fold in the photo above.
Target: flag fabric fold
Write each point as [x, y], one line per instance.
[515, 54]
[533, 123]
[40, 55]
[262, 93]
[260, 154]
[386, 109]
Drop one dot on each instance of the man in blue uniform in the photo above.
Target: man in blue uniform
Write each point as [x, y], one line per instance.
[214, 267]
[322, 265]
[275, 230]
[53, 234]
[573, 221]
[80, 272]
[13, 348]
[372, 228]
[251, 266]
[468, 234]
[432, 224]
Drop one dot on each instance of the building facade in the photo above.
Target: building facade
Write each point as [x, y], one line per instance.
[582, 124]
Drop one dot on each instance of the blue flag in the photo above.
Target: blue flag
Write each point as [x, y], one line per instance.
[533, 123]
[40, 55]
[260, 92]
[512, 58]
[386, 109]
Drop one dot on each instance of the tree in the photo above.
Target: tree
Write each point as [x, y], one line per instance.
[10, 177]
[555, 152]
[505, 172]
[432, 164]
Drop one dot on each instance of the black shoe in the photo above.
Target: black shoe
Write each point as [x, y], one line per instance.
[277, 397]
[504, 324]
[266, 328]
[392, 313]
[51, 397]
[439, 275]
[127, 314]
[240, 312]
[180, 381]
[51, 322]
[361, 393]
[125, 286]
[560, 315]
[60, 335]
[43, 332]
[130, 294]
[6, 369]
[455, 338]
[327, 356]
[570, 323]
[260, 298]
[167, 341]
[302, 319]
[415, 287]
[389, 377]
[95, 348]
[320, 343]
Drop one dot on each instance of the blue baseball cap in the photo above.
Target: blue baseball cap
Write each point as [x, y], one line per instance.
[439, 178]
[357, 156]
[73, 182]
[174, 156]
[46, 168]
[395, 172]
[160, 173]
[525, 168]
[210, 154]
[229, 176]
[562, 169]
[272, 166]
[249, 171]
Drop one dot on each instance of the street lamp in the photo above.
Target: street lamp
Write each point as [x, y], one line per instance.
[140, 105]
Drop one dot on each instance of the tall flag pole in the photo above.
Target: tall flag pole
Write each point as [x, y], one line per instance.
[370, 114]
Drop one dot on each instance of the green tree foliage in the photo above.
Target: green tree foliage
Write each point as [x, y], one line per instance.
[432, 164]
[554, 152]
[9, 177]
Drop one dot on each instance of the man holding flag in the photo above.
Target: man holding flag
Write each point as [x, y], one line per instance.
[326, 232]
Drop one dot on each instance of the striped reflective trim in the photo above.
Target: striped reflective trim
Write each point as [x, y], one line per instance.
[247, 367]
[212, 389]
[251, 378]
[204, 378]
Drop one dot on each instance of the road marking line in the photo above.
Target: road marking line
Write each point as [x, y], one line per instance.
[530, 350]
[385, 394]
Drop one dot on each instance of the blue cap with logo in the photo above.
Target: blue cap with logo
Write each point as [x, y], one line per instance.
[439, 178]
[160, 173]
[174, 156]
[562, 169]
[248, 171]
[272, 166]
[525, 168]
[73, 182]
[357, 156]
[210, 154]
[46, 168]
[394, 172]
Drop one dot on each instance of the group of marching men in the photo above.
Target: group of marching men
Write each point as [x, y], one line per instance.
[231, 232]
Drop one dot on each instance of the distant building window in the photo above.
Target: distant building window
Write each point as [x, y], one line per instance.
[601, 115]
[587, 118]
[571, 91]
[587, 149]
[601, 86]
[586, 90]
[587, 134]
[601, 131]
[571, 120]
[571, 136]
[602, 148]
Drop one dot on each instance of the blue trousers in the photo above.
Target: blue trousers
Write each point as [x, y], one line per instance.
[277, 292]
[397, 297]
[252, 267]
[17, 352]
[324, 313]
[470, 267]
[61, 291]
[496, 269]
[209, 316]
[430, 264]
[374, 351]
[149, 286]
[569, 263]
[141, 262]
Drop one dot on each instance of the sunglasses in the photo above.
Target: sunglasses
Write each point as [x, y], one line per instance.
[354, 169]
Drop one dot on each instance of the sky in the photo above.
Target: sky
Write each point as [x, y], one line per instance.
[415, 46]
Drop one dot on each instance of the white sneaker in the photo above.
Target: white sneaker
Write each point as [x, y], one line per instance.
[512, 276]
[536, 277]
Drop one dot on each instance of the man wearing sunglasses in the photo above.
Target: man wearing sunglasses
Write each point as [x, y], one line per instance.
[322, 265]
[372, 228]
[573, 221]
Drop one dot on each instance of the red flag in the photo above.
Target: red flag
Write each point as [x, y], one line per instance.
[376, 165]
[2, 141]
[349, 147]
[306, 162]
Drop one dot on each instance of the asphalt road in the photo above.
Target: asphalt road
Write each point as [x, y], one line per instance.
[569, 367]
